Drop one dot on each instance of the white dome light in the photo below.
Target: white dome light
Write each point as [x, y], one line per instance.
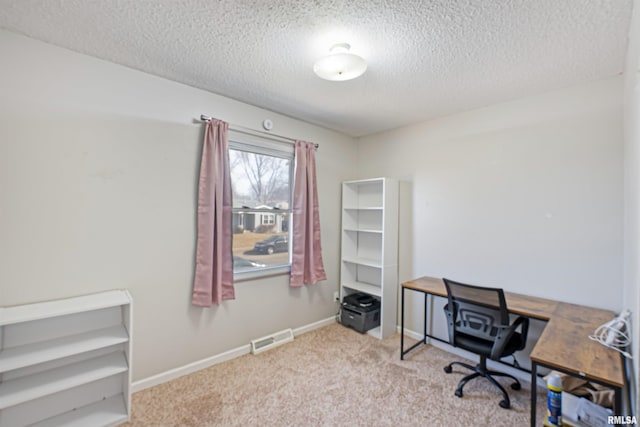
[340, 65]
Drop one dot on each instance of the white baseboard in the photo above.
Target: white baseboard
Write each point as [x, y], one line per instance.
[411, 334]
[315, 325]
[190, 368]
[172, 374]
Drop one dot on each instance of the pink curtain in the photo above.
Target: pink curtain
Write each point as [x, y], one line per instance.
[306, 265]
[214, 263]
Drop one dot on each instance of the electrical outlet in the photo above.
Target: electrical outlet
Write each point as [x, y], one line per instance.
[336, 296]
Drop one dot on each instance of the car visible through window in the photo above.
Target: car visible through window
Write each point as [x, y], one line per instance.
[273, 244]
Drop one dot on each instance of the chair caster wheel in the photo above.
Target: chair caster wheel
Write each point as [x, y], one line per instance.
[504, 404]
[516, 386]
[458, 393]
[447, 369]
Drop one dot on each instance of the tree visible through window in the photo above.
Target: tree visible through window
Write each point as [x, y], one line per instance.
[261, 186]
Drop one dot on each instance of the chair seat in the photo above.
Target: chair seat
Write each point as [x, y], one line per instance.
[483, 347]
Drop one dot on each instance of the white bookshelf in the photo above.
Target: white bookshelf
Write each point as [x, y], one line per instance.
[369, 260]
[66, 362]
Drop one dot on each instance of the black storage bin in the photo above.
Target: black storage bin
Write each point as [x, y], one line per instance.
[360, 312]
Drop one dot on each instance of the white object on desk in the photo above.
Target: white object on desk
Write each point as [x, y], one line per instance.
[615, 333]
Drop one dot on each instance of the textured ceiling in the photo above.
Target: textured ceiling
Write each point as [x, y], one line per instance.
[426, 58]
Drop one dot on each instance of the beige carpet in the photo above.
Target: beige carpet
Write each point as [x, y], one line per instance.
[332, 376]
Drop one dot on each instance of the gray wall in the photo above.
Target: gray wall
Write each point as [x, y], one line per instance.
[525, 195]
[632, 186]
[98, 179]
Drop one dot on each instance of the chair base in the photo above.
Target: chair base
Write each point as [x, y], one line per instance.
[480, 370]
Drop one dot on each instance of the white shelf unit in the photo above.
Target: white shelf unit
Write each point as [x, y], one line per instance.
[66, 362]
[370, 246]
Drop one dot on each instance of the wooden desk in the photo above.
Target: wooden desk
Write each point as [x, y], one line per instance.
[564, 344]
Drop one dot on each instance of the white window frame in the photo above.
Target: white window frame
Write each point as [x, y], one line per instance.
[268, 219]
[269, 146]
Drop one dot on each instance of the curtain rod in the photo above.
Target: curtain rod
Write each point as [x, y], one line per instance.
[239, 128]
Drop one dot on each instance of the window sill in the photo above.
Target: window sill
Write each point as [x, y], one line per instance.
[262, 273]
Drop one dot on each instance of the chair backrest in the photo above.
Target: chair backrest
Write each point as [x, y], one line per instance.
[475, 310]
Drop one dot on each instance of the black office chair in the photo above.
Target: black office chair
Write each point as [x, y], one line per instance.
[478, 321]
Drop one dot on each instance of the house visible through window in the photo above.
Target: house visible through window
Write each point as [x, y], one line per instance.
[261, 181]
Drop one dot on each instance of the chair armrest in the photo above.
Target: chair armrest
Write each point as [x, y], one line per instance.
[524, 331]
[504, 335]
[451, 317]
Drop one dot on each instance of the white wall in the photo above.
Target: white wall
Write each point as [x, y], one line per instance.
[98, 180]
[525, 195]
[632, 185]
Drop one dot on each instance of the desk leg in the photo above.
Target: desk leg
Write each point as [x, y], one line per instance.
[534, 394]
[426, 300]
[617, 401]
[402, 326]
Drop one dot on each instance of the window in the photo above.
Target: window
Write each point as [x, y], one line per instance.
[268, 219]
[261, 182]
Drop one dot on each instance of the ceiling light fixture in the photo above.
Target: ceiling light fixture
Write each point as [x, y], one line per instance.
[340, 65]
